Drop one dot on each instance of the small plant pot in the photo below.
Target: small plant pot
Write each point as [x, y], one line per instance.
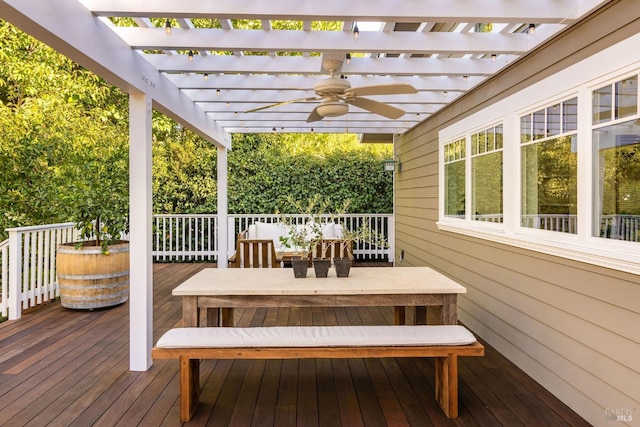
[343, 266]
[321, 267]
[300, 266]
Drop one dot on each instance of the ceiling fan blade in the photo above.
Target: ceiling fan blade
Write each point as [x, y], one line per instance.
[315, 98]
[376, 107]
[389, 89]
[314, 116]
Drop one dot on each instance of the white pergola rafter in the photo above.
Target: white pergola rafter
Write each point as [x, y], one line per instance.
[540, 11]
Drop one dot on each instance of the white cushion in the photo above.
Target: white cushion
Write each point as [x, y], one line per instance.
[328, 231]
[316, 336]
[252, 232]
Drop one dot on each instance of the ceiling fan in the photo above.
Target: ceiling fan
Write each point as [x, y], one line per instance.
[336, 94]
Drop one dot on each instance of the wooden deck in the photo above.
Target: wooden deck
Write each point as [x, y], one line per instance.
[71, 368]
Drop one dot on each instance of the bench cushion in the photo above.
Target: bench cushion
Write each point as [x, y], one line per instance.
[317, 336]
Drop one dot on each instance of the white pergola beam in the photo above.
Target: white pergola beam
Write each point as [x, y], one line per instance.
[324, 41]
[280, 113]
[313, 65]
[548, 11]
[285, 83]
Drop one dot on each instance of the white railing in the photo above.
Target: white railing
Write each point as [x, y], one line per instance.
[28, 266]
[28, 257]
[185, 238]
[378, 224]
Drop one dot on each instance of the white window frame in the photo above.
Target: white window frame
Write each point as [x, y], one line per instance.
[610, 65]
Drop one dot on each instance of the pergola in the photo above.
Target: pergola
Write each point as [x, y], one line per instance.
[207, 63]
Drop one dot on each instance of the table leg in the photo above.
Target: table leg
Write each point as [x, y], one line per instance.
[399, 315]
[190, 311]
[449, 314]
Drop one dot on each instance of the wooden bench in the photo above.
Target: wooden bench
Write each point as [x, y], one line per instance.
[443, 342]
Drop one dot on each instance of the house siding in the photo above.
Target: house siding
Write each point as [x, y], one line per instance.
[572, 326]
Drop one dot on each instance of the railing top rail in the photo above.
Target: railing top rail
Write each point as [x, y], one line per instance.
[41, 227]
[4, 243]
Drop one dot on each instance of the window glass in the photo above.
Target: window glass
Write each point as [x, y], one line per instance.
[570, 115]
[539, 126]
[454, 176]
[626, 97]
[525, 128]
[549, 170]
[616, 151]
[553, 120]
[549, 185]
[602, 105]
[486, 182]
[486, 176]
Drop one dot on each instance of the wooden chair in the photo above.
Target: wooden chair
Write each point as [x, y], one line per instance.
[250, 253]
[256, 253]
[334, 249]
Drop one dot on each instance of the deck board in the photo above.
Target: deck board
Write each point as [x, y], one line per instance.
[61, 367]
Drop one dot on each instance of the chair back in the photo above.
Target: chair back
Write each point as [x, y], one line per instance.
[257, 253]
[334, 249]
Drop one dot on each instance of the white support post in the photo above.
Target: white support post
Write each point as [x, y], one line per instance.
[223, 209]
[140, 217]
[15, 276]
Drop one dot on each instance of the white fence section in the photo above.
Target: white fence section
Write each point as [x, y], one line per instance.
[378, 224]
[28, 257]
[185, 238]
[28, 266]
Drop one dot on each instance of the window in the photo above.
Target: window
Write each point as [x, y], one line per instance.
[616, 161]
[486, 174]
[549, 168]
[454, 171]
[553, 167]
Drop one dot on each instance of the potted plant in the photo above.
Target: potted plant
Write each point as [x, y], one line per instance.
[93, 272]
[306, 235]
[348, 239]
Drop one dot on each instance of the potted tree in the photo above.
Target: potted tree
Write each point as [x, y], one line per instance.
[304, 236]
[93, 272]
[348, 239]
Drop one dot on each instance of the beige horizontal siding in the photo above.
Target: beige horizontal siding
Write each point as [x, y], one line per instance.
[574, 327]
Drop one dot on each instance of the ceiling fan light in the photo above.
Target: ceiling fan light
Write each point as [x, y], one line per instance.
[332, 109]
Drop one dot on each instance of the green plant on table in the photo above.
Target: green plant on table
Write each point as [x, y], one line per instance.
[305, 235]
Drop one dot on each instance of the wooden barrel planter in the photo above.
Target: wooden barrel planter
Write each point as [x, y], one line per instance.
[89, 279]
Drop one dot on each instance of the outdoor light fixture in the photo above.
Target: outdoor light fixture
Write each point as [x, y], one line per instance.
[494, 57]
[217, 92]
[206, 76]
[167, 28]
[532, 29]
[190, 56]
[348, 56]
[390, 165]
[235, 114]
[465, 78]
[274, 129]
[356, 31]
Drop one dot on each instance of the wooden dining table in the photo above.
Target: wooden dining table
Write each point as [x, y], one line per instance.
[228, 288]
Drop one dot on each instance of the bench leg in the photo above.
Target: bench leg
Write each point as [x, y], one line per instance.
[447, 384]
[189, 387]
